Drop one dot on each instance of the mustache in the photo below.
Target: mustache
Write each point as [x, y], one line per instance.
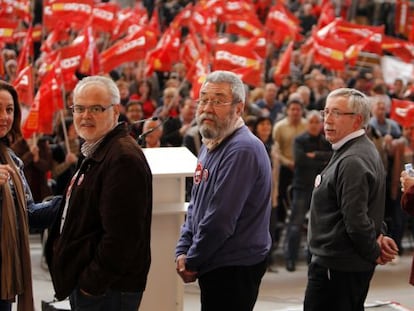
[206, 115]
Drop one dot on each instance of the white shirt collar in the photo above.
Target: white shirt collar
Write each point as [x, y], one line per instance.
[347, 138]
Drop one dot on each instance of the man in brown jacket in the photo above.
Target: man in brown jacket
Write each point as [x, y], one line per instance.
[99, 250]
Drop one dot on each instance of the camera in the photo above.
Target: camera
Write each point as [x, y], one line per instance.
[409, 169]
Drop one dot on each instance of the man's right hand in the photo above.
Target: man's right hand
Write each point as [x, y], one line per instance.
[186, 275]
[389, 249]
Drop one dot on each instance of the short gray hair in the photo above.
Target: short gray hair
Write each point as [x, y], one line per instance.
[238, 91]
[314, 113]
[106, 82]
[358, 102]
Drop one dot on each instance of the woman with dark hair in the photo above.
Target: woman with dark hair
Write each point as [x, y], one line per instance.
[17, 210]
[144, 95]
[263, 128]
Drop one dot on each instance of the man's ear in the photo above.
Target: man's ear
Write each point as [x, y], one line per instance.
[117, 111]
[358, 121]
[240, 108]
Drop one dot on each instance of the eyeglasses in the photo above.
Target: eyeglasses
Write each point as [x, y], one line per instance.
[335, 113]
[214, 102]
[94, 109]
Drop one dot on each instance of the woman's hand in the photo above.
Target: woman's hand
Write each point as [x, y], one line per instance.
[5, 172]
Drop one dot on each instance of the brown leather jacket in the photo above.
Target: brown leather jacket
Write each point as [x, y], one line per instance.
[105, 241]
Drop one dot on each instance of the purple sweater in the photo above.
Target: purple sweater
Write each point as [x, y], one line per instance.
[228, 216]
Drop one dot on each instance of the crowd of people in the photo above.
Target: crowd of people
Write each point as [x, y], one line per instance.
[162, 111]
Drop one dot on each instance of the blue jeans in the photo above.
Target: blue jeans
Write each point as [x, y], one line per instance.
[300, 206]
[112, 300]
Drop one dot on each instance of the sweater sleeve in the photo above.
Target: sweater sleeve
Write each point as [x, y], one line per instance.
[359, 212]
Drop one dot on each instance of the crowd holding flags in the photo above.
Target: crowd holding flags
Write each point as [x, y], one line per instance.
[82, 36]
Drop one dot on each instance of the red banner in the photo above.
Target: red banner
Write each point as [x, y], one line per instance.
[73, 12]
[399, 111]
[24, 85]
[283, 66]
[131, 48]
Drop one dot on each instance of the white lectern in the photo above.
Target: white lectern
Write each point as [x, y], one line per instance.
[169, 166]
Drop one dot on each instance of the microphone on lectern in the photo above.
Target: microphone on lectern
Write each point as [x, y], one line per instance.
[143, 120]
[140, 137]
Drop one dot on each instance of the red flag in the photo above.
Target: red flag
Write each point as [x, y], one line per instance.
[329, 52]
[203, 22]
[104, 16]
[54, 81]
[26, 53]
[24, 85]
[249, 75]
[411, 36]
[352, 33]
[132, 48]
[62, 64]
[129, 21]
[327, 14]
[399, 109]
[201, 69]
[59, 33]
[16, 8]
[165, 53]
[230, 56]
[183, 17]
[154, 23]
[283, 23]
[247, 26]
[401, 17]
[22, 34]
[400, 48]
[354, 50]
[71, 57]
[7, 28]
[47, 101]
[283, 66]
[259, 45]
[228, 9]
[89, 63]
[73, 12]
[190, 52]
[409, 119]
[22, 10]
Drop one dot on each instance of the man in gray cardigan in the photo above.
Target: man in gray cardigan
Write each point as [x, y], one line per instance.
[347, 210]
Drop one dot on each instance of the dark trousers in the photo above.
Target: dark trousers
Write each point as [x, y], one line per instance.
[300, 206]
[231, 288]
[110, 301]
[5, 305]
[329, 289]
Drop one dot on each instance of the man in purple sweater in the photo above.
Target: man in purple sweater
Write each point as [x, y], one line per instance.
[225, 239]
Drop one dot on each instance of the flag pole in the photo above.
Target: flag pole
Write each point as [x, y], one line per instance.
[65, 130]
[62, 119]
